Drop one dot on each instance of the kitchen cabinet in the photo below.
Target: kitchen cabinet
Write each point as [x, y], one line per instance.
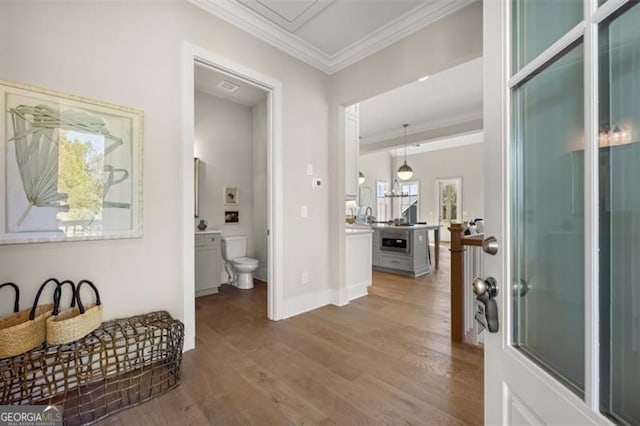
[208, 262]
[352, 150]
[405, 252]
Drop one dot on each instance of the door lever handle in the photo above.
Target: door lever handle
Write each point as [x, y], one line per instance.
[490, 245]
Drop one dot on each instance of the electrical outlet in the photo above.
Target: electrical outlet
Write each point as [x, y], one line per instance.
[303, 211]
[304, 278]
[316, 183]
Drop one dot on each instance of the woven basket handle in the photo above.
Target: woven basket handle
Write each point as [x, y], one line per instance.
[57, 295]
[32, 314]
[16, 303]
[80, 305]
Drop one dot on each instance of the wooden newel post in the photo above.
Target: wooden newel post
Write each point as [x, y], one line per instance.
[457, 282]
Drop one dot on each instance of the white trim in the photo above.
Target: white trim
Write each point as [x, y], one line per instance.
[422, 127]
[591, 215]
[251, 22]
[438, 144]
[359, 290]
[307, 302]
[606, 10]
[191, 54]
[407, 24]
[290, 25]
[257, 25]
[543, 59]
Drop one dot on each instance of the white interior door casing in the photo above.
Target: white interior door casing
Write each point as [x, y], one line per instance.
[517, 390]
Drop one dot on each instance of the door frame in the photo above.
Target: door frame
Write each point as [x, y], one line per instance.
[458, 180]
[190, 55]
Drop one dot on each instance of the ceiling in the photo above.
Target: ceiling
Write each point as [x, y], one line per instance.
[208, 80]
[331, 34]
[443, 101]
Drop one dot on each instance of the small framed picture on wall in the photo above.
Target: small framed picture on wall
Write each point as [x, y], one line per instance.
[231, 216]
[230, 196]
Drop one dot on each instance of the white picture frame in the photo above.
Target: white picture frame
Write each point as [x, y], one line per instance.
[230, 196]
[72, 167]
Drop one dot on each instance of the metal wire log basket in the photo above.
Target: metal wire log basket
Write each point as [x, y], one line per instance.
[121, 364]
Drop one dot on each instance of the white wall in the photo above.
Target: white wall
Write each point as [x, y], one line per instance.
[129, 53]
[224, 144]
[450, 41]
[375, 167]
[465, 162]
[260, 189]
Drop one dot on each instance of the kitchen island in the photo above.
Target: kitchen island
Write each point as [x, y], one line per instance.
[404, 249]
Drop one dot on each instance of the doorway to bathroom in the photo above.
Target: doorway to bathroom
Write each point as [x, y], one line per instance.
[232, 124]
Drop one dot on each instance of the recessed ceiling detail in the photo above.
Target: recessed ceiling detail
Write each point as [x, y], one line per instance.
[331, 34]
[290, 15]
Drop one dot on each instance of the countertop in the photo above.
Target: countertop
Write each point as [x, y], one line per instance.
[208, 231]
[383, 226]
[358, 229]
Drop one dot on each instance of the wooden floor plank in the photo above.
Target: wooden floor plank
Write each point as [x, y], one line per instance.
[383, 359]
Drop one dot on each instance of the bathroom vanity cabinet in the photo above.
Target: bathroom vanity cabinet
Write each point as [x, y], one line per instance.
[208, 262]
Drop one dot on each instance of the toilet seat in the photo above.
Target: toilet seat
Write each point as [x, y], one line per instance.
[246, 261]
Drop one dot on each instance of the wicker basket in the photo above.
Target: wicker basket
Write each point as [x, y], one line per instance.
[76, 322]
[26, 329]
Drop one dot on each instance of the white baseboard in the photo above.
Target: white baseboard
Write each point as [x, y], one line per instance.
[307, 302]
[206, 292]
[261, 274]
[358, 290]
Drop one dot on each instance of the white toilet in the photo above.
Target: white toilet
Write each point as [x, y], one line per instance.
[234, 251]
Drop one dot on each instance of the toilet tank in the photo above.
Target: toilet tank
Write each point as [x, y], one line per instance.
[234, 247]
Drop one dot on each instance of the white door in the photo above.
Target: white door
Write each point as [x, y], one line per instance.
[562, 166]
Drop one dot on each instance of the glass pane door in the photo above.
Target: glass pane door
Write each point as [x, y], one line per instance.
[619, 160]
[540, 23]
[548, 218]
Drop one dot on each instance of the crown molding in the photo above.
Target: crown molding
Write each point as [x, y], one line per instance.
[401, 27]
[255, 24]
[438, 144]
[422, 127]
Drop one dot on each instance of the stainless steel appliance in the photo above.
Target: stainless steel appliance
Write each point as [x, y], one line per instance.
[397, 240]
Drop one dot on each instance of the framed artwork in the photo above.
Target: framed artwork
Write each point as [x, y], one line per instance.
[231, 216]
[72, 167]
[230, 196]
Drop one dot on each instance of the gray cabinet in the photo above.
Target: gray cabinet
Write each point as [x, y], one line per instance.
[414, 262]
[208, 263]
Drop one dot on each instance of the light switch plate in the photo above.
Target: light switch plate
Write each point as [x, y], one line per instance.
[316, 183]
[310, 169]
[303, 211]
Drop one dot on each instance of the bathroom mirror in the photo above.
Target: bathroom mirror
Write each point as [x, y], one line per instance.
[196, 187]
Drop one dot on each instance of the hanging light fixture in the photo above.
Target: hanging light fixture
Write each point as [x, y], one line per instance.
[405, 172]
[360, 178]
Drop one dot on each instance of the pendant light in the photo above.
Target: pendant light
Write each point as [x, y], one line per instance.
[405, 172]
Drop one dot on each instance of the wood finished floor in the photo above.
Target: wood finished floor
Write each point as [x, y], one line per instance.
[382, 359]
